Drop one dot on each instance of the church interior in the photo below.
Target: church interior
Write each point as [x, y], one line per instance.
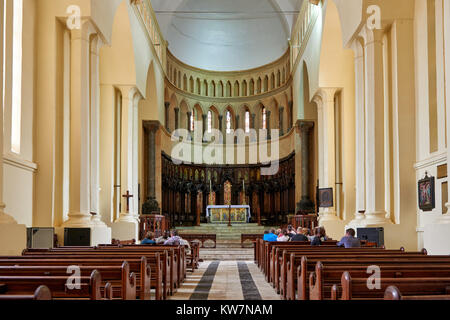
[219, 121]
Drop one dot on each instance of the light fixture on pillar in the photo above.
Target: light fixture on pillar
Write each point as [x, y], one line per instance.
[314, 2]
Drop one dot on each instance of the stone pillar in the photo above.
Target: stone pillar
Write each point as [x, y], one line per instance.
[280, 116]
[374, 122]
[126, 226]
[177, 118]
[327, 152]
[166, 115]
[305, 204]
[221, 123]
[205, 124]
[446, 29]
[151, 205]
[84, 70]
[237, 122]
[268, 113]
[13, 236]
[360, 132]
[188, 116]
[291, 115]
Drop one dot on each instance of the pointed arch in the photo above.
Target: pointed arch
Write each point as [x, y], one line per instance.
[236, 92]
[244, 91]
[252, 88]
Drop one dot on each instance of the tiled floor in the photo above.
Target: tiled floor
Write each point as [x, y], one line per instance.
[226, 280]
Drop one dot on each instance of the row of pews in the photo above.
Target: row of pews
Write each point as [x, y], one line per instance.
[106, 272]
[299, 271]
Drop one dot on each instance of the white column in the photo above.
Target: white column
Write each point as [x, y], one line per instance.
[374, 121]
[79, 199]
[95, 132]
[360, 131]
[327, 148]
[126, 227]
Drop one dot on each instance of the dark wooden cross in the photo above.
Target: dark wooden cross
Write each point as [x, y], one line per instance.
[128, 196]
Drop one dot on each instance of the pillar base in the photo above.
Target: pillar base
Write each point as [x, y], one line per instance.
[436, 238]
[99, 234]
[78, 220]
[13, 239]
[126, 229]
[375, 218]
[327, 216]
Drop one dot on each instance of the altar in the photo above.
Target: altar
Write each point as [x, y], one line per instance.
[221, 214]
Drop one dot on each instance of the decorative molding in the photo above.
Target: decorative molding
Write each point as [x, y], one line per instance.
[15, 161]
[434, 159]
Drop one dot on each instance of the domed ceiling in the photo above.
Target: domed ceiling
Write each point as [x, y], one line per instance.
[226, 35]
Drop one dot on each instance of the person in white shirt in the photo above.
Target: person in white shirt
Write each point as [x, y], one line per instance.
[284, 236]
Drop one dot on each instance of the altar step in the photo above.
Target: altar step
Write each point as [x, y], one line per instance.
[227, 254]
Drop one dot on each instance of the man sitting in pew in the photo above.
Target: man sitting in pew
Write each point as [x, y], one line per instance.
[349, 240]
[149, 239]
[300, 236]
[163, 238]
[270, 236]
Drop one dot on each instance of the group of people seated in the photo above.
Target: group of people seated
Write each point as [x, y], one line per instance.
[170, 238]
[317, 237]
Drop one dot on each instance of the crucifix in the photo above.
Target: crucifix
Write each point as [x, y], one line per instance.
[128, 196]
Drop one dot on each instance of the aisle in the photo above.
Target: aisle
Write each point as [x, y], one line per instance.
[226, 280]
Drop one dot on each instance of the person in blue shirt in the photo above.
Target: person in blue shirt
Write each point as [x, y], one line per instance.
[271, 236]
[148, 239]
[349, 240]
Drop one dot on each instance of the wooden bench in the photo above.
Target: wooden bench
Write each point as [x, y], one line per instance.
[200, 237]
[329, 271]
[393, 293]
[146, 278]
[90, 287]
[356, 288]
[159, 261]
[122, 281]
[250, 237]
[41, 293]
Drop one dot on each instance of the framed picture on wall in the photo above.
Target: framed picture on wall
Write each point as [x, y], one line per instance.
[326, 198]
[426, 193]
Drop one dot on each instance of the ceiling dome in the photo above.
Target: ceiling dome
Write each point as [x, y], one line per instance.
[225, 35]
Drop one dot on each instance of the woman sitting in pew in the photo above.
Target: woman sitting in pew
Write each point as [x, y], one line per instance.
[319, 236]
[284, 236]
[149, 239]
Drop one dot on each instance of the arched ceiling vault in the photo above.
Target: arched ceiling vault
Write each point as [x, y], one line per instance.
[227, 35]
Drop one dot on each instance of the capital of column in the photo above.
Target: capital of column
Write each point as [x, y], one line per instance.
[305, 126]
[152, 126]
[371, 36]
[5, 218]
[167, 105]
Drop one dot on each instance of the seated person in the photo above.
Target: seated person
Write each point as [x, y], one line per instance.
[270, 236]
[284, 236]
[300, 236]
[174, 239]
[163, 238]
[349, 240]
[291, 231]
[320, 236]
[149, 238]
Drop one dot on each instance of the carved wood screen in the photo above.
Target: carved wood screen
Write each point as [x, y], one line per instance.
[272, 198]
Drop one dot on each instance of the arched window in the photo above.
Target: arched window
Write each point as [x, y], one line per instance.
[264, 118]
[209, 121]
[247, 121]
[228, 127]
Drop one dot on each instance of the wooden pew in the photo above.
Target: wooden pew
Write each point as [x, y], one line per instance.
[328, 272]
[23, 285]
[356, 288]
[168, 257]
[392, 293]
[122, 281]
[199, 237]
[41, 293]
[148, 275]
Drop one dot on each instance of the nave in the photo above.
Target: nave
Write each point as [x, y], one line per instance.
[226, 280]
